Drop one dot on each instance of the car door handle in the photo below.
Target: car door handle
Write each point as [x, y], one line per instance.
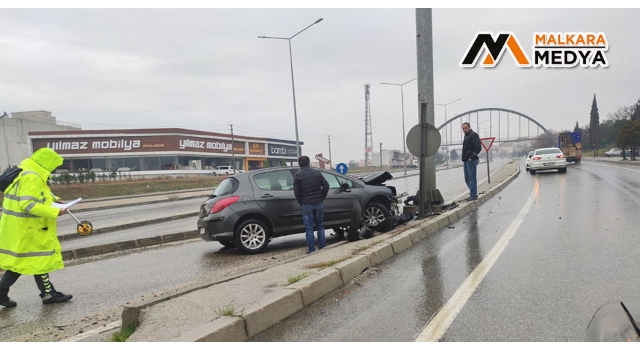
[267, 196]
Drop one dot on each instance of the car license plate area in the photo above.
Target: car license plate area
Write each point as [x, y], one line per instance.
[203, 231]
[549, 164]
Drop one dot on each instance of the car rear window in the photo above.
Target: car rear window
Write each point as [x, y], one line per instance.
[548, 151]
[280, 180]
[227, 186]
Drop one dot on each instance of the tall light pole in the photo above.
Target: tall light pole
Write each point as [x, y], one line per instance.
[404, 143]
[233, 151]
[293, 87]
[446, 147]
[381, 154]
[6, 144]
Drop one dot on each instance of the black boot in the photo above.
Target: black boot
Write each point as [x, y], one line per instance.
[4, 298]
[55, 297]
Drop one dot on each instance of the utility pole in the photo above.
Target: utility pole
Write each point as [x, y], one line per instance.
[381, 154]
[368, 134]
[233, 151]
[425, 101]
[330, 159]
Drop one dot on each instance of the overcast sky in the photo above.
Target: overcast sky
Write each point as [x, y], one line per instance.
[204, 69]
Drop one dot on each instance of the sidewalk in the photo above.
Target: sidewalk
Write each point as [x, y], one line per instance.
[612, 160]
[262, 298]
[103, 203]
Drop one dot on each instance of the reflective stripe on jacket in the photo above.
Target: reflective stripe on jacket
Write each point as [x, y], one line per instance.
[28, 235]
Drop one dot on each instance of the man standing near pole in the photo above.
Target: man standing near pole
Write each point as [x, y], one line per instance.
[471, 148]
[310, 189]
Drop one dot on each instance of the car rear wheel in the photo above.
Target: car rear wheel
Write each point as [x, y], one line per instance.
[252, 236]
[532, 172]
[378, 217]
[562, 170]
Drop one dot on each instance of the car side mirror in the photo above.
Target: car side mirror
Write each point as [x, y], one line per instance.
[345, 187]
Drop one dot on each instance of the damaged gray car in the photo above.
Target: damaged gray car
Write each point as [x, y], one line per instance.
[248, 210]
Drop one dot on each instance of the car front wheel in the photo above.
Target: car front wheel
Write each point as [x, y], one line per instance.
[252, 236]
[378, 217]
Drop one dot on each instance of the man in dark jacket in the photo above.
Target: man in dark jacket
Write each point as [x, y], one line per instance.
[311, 188]
[471, 148]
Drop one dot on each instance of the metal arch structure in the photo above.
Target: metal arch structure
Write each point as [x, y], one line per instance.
[509, 111]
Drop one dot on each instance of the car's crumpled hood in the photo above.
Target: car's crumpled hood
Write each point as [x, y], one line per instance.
[377, 178]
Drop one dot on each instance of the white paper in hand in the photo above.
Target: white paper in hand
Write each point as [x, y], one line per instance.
[66, 205]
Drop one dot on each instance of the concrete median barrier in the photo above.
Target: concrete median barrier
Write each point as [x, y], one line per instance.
[271, 310]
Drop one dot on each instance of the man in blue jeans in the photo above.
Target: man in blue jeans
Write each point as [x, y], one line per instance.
[310, 189]
[471, 148]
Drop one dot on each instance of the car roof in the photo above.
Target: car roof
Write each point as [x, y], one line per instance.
[542, 149]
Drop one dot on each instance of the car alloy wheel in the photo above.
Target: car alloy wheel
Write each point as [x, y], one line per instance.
[252, 236]
[378, 217]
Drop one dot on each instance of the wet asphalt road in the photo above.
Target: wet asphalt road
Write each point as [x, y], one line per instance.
[102, 285]
[125, 215]
[576, 249]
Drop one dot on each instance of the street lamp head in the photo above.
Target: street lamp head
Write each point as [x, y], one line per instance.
[261, 37]
[318, 21]
[4, 115]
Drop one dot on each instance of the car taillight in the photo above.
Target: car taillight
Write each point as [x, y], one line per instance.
[560, 156]
[219, 206]
[537, 158]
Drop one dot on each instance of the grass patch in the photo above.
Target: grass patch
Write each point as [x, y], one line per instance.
[103, 189]
[117, 188]
[123, 335]
[325, 264]
[229, 310]
[365, 247]
[296, 278]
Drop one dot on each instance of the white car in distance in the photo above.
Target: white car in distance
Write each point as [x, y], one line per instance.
[548, 159]
[225, 170]
[527, 162]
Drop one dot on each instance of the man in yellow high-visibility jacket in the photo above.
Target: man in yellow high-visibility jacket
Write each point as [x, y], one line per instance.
[28, 236]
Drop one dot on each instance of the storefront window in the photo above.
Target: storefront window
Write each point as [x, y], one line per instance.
[97, 164]
[132, 163]
[150, 163]
[167, 163]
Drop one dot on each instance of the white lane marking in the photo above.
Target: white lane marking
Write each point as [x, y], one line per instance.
[94, 331]
[613, 166]
[436, 327]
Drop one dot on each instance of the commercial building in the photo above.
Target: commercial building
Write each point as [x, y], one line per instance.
[162, 149]
[14, 138]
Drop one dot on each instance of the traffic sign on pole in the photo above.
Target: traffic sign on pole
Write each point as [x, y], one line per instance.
[487, 142]
[342, 168]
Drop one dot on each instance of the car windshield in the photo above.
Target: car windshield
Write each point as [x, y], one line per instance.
[548, 151]
[227, 186]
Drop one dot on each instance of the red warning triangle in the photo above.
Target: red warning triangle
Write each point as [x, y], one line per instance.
[487, 142]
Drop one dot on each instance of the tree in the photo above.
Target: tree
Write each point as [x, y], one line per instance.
[629, 136]
[594, 126]
[577, 127]
[546, 140]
